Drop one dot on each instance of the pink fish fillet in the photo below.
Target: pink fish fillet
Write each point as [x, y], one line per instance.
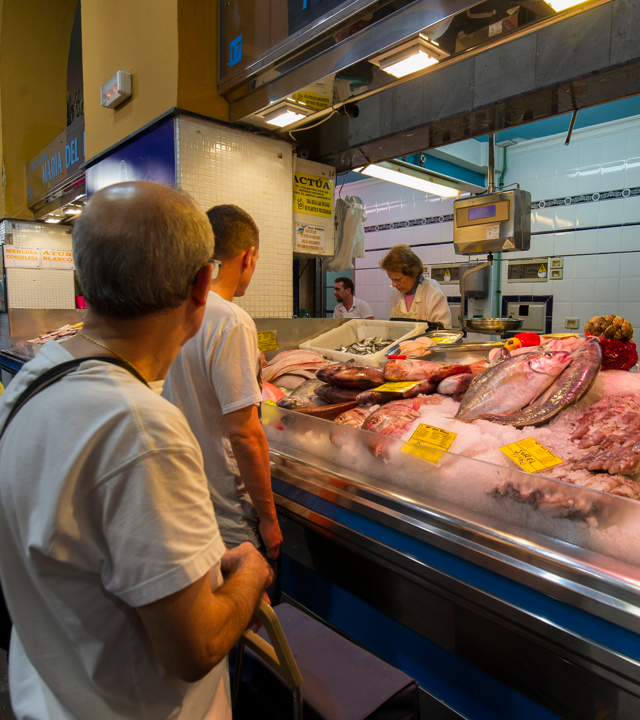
[271, 392]
[285, 361]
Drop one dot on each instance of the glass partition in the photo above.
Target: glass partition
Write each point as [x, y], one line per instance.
[590, 519]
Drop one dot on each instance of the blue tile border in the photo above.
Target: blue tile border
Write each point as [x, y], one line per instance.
[539, 205]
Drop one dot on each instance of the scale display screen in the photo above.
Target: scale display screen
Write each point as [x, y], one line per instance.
[484, 211]
[484, 214]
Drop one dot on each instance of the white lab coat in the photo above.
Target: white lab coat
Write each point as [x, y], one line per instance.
[429, 304]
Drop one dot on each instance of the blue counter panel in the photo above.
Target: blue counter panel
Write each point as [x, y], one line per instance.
[468, 690]
[563, 615]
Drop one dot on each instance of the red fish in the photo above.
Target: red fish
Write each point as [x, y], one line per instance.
[455, 384]
[362, 377]
[334, 395]
[409, 369]
[425, 387]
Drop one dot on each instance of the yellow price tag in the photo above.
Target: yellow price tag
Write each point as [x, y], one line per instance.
[267, 340]
[395, 386]
[269, 402]
[530, 455]
[431, 440]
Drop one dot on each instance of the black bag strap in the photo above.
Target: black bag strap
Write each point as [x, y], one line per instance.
[56, 373]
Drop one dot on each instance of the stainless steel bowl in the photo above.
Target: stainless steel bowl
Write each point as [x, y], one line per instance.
[493, 326]
[447, 337]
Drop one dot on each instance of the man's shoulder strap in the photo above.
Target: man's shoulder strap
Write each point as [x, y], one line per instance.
[57, 372]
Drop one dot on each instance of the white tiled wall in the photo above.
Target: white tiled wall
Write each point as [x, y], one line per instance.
[601, 249]
[42, 287]
[433, 242]
[218, 164]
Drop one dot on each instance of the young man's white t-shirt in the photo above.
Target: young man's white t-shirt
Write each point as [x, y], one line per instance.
[216, 373]
[104, 507]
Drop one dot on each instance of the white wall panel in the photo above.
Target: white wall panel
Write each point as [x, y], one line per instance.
[218, 165]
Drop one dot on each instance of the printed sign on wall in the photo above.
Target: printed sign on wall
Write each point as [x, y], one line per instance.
[312, 195]
[57, 259]
[309, 238]
[21, 257]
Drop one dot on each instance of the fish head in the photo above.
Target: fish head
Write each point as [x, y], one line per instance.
[397, 369]
[549, 362]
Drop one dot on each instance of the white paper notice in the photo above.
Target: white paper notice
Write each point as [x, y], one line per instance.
[21, 257]
[57, 259]
[309, 238]
[493, 231]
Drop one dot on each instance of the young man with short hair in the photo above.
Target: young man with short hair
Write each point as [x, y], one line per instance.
[215, 382]
[348, 305]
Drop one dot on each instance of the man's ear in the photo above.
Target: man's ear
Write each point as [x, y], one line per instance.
[247, 258]
[200, 288]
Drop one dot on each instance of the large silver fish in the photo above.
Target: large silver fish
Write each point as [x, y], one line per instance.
[572, 383]
[307, 387]
[512, 384]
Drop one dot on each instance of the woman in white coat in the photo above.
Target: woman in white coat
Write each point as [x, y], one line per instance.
[414, 297]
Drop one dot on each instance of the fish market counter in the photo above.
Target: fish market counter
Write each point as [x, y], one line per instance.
[441, 564]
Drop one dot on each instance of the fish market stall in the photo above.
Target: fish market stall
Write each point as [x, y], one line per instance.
[491, 551]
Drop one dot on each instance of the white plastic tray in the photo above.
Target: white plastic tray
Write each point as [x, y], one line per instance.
[355, 330]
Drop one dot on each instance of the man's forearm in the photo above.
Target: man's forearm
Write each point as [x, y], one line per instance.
[251, 452]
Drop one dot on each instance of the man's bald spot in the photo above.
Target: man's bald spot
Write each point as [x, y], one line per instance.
[129, 203]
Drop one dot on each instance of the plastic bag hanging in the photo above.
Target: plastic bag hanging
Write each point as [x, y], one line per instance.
[350, 217]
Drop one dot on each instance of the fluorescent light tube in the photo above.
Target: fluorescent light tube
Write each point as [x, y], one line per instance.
[53, 220]
[398, 174]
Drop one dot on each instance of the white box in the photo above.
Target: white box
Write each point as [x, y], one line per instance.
[355, 330]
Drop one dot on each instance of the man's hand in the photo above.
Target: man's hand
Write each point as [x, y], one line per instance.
[246, 557]
[271, 536]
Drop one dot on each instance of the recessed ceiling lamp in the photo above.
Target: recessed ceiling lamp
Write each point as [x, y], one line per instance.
[414, 55]
[72, 211]
[285, 113]
[53, 219]
[560, 5]
[402, 173]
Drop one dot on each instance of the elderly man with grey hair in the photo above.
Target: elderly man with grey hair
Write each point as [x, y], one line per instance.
[124, 600]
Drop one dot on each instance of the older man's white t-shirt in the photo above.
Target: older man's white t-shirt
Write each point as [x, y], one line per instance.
[359, 309]
[104, 507]
[216, 373]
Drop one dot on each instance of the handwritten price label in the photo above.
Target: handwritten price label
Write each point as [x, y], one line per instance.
[267, 340]
[530, 455]
[431, 440]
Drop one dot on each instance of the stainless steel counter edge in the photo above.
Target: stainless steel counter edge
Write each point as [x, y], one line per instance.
[607, 588]
[612, 666]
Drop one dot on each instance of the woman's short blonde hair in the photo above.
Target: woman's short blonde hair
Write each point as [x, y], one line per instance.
[402, 259]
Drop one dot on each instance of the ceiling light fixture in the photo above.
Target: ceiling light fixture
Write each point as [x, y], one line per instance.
[285, 113]
[72, 211]
[53, 220]
[410, 57]
[403, 173]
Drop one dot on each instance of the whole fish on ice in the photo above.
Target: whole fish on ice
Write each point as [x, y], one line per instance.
[380, 397]
[572, 383]
[334, 395]
[512, 384]
[407, 370]
[362, 377]
[307, 387]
